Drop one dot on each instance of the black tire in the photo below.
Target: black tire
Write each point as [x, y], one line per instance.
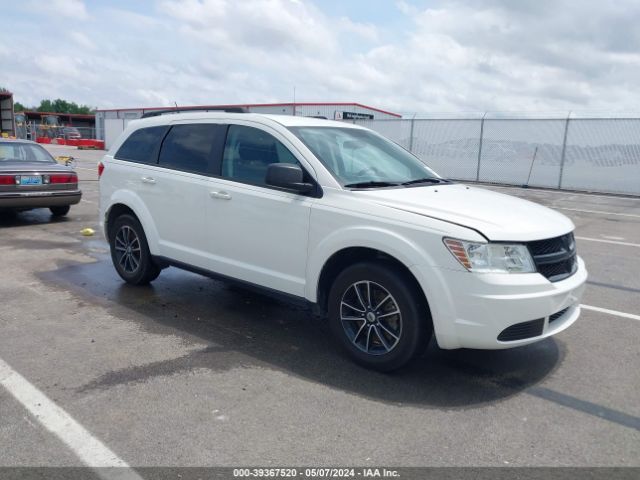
[60, 211]
[411, 327]
[130, 251]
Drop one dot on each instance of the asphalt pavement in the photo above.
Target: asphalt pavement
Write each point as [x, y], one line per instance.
[192, 372]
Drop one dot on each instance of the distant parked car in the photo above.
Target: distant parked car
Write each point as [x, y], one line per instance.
[31, 178]
[71, 133]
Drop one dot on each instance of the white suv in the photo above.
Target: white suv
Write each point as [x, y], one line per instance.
[336, 215]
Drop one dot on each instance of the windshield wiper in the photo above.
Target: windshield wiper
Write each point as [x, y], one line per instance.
[371, 183]
[426, 180]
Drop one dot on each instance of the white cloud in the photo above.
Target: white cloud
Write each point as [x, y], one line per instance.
[58, 66]
[82, 40]
[65, 8]
[366, 31]
[4, 51]
[457, 55]
[274, 25]
[406, 8]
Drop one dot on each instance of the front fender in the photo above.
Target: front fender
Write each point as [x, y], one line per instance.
[391, 243]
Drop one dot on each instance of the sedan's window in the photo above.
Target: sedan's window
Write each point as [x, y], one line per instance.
[190, 147]
[26, 152]
[142, 145]
[249, 151]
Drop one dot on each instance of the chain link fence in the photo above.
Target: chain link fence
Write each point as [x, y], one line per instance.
[589, 154]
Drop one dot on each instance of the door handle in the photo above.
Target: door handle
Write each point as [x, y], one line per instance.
[149, 180]
[220, 195]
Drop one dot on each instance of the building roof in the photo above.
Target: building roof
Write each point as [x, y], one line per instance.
[249, 105]
[59, 114]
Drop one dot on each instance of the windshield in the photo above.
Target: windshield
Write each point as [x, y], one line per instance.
[362, 158]
[25, 152]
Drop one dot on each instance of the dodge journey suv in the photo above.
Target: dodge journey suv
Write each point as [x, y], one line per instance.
[335, 215]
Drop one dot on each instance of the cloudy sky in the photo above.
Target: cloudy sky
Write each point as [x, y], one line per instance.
[406, 55]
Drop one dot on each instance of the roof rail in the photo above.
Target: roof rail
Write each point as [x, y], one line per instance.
[157, 113]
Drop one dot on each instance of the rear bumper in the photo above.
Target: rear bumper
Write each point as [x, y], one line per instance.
[39, 199]
[472, 310]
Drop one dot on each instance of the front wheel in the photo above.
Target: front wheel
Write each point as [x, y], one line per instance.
[378, 315]
[130, 252]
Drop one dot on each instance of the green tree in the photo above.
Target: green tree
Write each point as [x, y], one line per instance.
[63, 106]
[18, 107]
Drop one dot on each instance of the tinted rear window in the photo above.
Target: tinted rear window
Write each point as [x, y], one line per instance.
[142, 145]
[192, 147]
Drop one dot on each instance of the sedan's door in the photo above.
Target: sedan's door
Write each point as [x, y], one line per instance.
[259, 234]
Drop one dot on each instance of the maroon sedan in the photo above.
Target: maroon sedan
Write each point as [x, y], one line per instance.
[31, 178]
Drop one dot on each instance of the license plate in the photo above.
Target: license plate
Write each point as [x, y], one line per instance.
[30, 180]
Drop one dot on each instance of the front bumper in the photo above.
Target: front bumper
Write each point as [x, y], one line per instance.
[39, 199]
[470, 310]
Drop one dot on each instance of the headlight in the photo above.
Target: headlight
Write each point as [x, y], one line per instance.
[491, 257]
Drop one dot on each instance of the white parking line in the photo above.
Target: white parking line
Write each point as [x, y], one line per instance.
[598, 211]
[89, 449]
[615, 242]
[611, 312]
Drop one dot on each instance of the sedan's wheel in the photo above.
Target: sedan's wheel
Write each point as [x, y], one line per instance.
[60, 211]
[379, 315]
[130, 252]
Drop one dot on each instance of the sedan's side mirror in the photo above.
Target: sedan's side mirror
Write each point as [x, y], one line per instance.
[287, 176]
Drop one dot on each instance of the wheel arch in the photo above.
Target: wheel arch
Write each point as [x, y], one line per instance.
[126, 202]
[345, 257]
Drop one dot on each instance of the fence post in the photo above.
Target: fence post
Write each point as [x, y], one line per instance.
[413, 121]
[564, 150]
[480, 146]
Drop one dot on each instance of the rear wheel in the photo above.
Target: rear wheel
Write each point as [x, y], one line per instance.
[60, 211]
[130, 252]
[378, 315]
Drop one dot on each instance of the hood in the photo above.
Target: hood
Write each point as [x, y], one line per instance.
[497, 216]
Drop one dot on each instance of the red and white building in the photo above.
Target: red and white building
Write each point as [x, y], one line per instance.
[111, 123]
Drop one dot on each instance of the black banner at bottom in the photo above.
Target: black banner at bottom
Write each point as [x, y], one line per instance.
[408, 473]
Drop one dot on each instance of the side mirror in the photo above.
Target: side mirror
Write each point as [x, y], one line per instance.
[287, 176]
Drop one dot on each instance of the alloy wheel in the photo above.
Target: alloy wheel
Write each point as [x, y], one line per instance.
[127, 247]
[371, 317]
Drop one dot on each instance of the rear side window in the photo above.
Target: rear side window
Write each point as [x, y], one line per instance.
[192, 147]
[142, 145]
